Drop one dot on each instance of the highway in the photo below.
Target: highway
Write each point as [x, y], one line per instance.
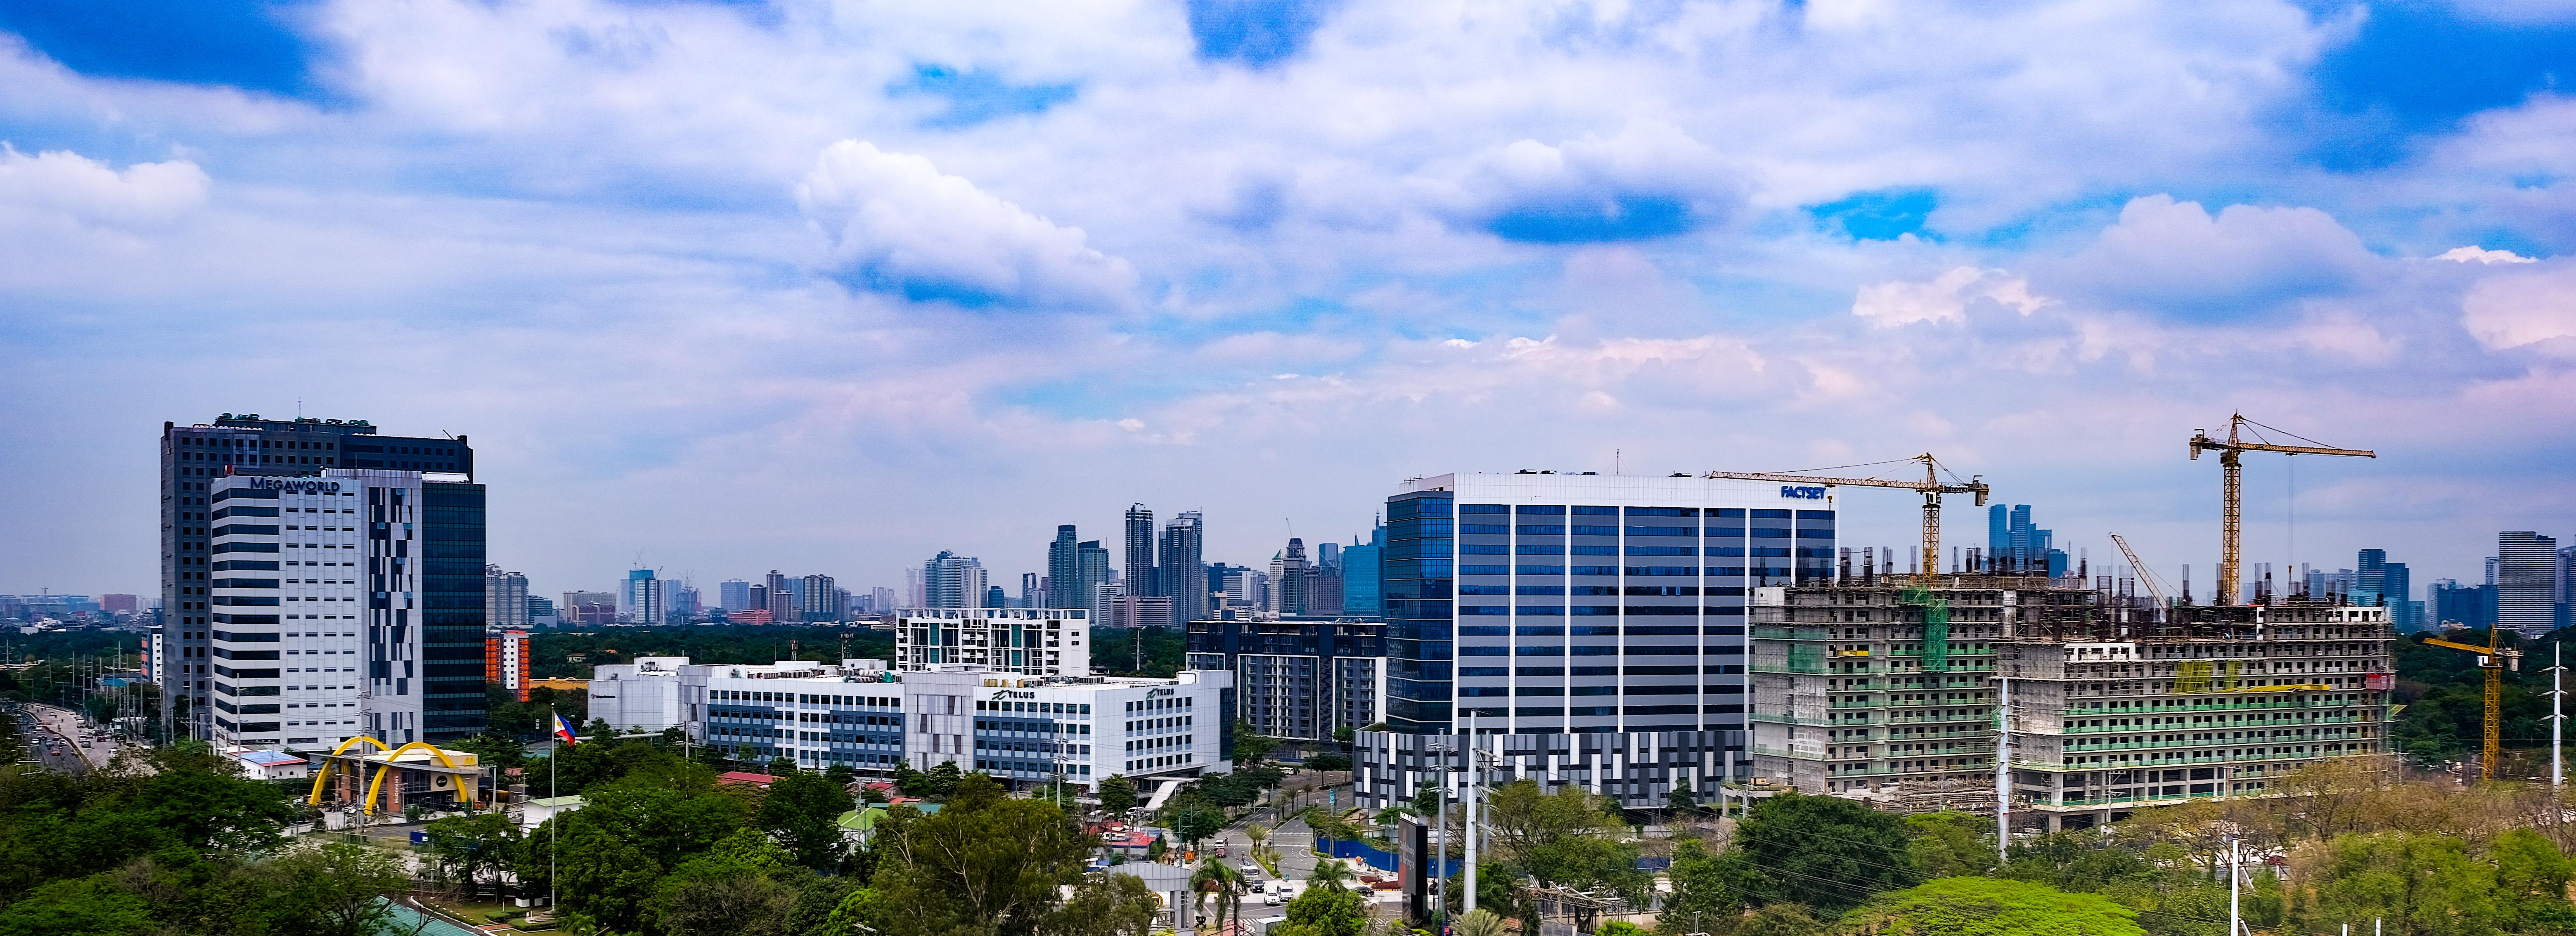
[60, 730]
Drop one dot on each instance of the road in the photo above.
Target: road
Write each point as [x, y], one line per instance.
[1295, 844]
[60, 729]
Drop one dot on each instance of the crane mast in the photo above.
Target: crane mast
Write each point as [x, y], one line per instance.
[1931, 488]
[2231, 467]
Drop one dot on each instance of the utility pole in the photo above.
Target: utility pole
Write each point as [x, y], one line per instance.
[2557, 715]
[2234, 855]
[1475, 775]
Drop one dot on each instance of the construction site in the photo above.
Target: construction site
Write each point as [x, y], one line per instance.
[2065, 701]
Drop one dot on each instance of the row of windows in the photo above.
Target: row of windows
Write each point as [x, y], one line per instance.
[1581, 510]
[1549, 529]
[1596, 611]
[1714, 669]
[1725, 571]
[1680, 591]
[1525, 549]
[1507, 691]
[1600, 650]
[1599, 630]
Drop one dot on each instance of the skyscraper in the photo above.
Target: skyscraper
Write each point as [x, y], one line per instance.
[1091, 565]
[1064, 571]
[1140, 552]
[1181, 575]
[1032, 593]
[1360, 593]
[2014, 544]
[782, 599]
[1591, 615]
[191, 458]
[2526, 582]
[819, 599]
[734, 595]
[949, 580]
[505, 598]
[1291, 580]
[643, 601]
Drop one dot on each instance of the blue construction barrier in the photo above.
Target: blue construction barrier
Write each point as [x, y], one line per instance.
[1341, 848]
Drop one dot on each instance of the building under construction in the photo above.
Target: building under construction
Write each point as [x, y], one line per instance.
[1891, 689]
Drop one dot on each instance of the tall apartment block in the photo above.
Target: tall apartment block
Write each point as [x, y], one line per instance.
[1888, 690]
[2526, 580]
[1297, 679]
[505, 598]
[505, 661]
[192, 459]
[1593, 626]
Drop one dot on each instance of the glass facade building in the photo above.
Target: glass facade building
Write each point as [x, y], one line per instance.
[451, 617]
[1596, 622]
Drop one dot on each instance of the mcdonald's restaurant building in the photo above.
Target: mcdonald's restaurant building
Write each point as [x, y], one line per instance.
[385, 781]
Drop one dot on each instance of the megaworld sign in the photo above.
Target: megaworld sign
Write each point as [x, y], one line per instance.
[1802, 493]
[296, 485]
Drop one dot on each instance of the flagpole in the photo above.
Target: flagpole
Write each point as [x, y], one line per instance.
[554, 766]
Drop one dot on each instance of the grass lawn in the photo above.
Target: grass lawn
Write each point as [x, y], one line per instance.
[470, 911]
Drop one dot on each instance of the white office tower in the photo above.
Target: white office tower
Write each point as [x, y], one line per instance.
[1022, 729]
[317, 630]
[643, 601]
[1592, 626]
[1028, 641]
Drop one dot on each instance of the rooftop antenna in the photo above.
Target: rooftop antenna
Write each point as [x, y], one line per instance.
[1618, 459]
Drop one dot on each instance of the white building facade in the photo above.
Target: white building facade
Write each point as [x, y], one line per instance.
[314, 614]
[1018, 727]
[1028, 641]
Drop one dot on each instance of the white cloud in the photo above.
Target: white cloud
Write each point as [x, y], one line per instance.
[1944, 298]
[897, 224]
[70, 186]
[2174, 257]
[2525, 308]
[2474, 254]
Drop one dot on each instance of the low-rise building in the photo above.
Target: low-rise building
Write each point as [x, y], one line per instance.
[1032, 641]
[1018, 727]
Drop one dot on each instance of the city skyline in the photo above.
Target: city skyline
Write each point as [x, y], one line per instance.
[1266, 261]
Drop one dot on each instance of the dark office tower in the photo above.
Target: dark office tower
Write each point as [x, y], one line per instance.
[1140, 552]
[245, 444]
[2395, 583]
[1360, 567]
[1064, 571]
[1091, 572]
[2526, 582]
[1181, 575]
[451, 617]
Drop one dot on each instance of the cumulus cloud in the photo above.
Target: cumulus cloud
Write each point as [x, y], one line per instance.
[2175, 257]
[2474, 254]
[1944, 298]
[2526, 308]
[1649, 180]
[897, 224]
[67, 185]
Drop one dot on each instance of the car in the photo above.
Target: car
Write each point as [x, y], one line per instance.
[1250, 868]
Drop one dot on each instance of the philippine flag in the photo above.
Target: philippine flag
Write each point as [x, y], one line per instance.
[563, 729]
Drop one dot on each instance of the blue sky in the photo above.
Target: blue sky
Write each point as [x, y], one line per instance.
[728, 287]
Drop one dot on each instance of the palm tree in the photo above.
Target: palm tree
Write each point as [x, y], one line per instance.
[1329, 874]
[1214, 879]
[1483, 922]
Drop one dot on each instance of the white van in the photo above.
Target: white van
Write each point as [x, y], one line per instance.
[1274, 892]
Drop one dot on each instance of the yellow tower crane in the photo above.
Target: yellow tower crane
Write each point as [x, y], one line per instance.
[2494, 658]
[1932, 487]
[2231, 526]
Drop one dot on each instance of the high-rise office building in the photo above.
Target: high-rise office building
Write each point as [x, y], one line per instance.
[2448, 604]
[733, 595]
[643, 601]
[1595, 623]
[1360, 592]
[2014, 544]
[681, 601]
[1291, 580]
[370, 583]
[1032, 592]
[1181, 574]
[1091, 564]
[949, 580]
[2526, 582]
[541, 613]
[1064, 570]
[588, 609]
[505, 598]
[191, 458]
[1141, 580]
[779, 593]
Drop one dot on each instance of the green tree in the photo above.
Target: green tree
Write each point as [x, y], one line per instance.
[335, 890]
[1250, 747]
[1104, 905]
[471, 846]
[1117, 794]
[2427, 885]
[985, 865]
[1569, 837]
[1822, 851]
[733, 888]
[1197, 822]
[942, 780]
[1949, 844]
[1215, 881]
[493, 748]
[1705, 889]
[88, 906]
[1325, 912]
[1977, 906]
[805, 809]
[2531, 881]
